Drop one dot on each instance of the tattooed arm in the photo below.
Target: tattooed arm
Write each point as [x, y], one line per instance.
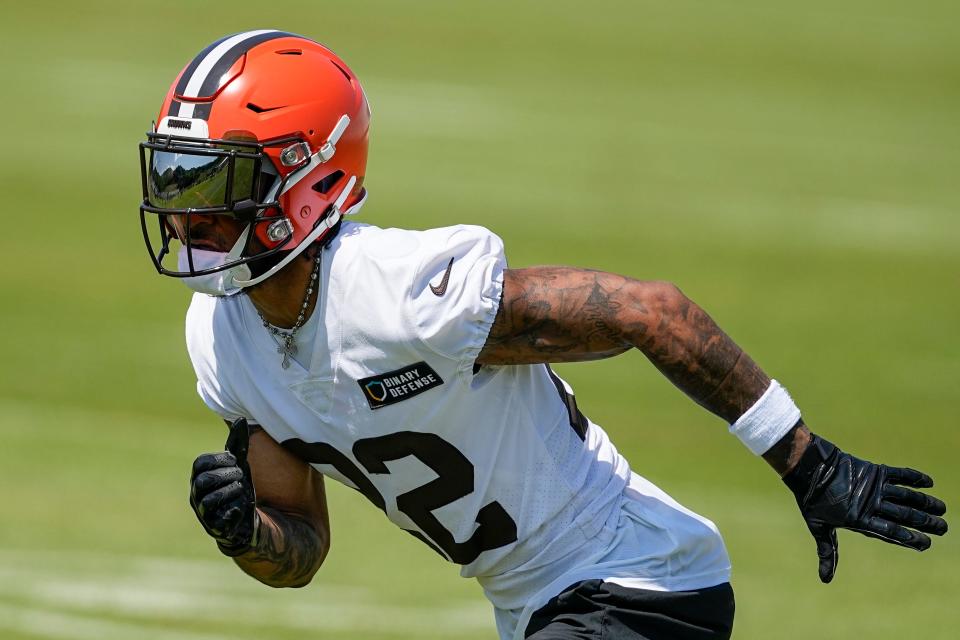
[294, 534]
[558, 314]
[562, 314]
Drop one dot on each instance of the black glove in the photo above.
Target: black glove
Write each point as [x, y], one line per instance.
[834, 489]
[222, 495]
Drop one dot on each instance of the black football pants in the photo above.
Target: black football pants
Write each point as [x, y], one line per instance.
[597, 610]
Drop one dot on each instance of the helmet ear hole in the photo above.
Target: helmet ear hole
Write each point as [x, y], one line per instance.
[328, 182]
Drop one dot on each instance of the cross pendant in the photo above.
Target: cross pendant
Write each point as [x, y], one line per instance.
[287, 348]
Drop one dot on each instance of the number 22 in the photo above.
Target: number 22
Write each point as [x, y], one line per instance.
[455, 480]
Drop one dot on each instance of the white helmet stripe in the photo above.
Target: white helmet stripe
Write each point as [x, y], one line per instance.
[207, 64]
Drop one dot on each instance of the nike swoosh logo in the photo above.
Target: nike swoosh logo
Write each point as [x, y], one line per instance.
[442, 288]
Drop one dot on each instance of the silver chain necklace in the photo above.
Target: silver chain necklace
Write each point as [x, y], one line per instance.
[285, 339]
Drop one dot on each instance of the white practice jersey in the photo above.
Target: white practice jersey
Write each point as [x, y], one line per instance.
[496, 469]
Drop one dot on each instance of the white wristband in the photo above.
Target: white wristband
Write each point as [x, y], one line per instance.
[768, 420]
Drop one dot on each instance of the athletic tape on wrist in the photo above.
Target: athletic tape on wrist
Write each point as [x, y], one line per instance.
[768, 420]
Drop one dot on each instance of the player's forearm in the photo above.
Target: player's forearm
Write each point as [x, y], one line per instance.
[288, 553]
[688, 347]
[562, 314]
[699, 358]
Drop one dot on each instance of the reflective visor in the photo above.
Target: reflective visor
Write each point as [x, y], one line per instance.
[211, 178]
[192, 186]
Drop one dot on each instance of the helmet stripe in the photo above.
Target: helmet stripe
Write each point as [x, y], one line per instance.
[188, 72]
[202, 110]
[211, 57]
[205, 71]
[223, 65]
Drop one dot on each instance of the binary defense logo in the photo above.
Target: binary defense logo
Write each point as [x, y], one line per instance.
[400, 384]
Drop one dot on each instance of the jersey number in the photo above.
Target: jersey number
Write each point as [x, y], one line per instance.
[495, 527]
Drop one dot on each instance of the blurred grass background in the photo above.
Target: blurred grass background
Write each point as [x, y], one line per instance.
[793, 167]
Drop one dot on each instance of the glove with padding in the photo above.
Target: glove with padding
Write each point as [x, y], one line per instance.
[222, 493]
[836, 490]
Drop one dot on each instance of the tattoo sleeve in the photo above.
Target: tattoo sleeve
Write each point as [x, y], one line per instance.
[562, 314]
[288, 552]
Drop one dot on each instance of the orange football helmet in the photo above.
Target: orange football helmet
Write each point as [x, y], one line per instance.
[266, 127]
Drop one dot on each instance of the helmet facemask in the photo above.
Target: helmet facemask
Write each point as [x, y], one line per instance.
[187, 180]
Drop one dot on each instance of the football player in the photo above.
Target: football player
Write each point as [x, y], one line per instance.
[413, 366]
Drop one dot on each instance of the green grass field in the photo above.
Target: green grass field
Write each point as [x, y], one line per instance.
[793, 167]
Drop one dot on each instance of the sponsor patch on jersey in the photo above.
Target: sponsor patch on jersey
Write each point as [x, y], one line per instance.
[400, 384]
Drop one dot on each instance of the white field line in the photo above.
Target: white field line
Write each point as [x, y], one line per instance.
[52, 624]
[177, 590]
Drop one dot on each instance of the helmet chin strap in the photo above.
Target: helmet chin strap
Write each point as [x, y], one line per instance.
[327, 223]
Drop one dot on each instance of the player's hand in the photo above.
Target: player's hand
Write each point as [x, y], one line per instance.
[222, 495]
[836, 490]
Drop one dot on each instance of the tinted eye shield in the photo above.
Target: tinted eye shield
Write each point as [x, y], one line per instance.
[184, 177]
